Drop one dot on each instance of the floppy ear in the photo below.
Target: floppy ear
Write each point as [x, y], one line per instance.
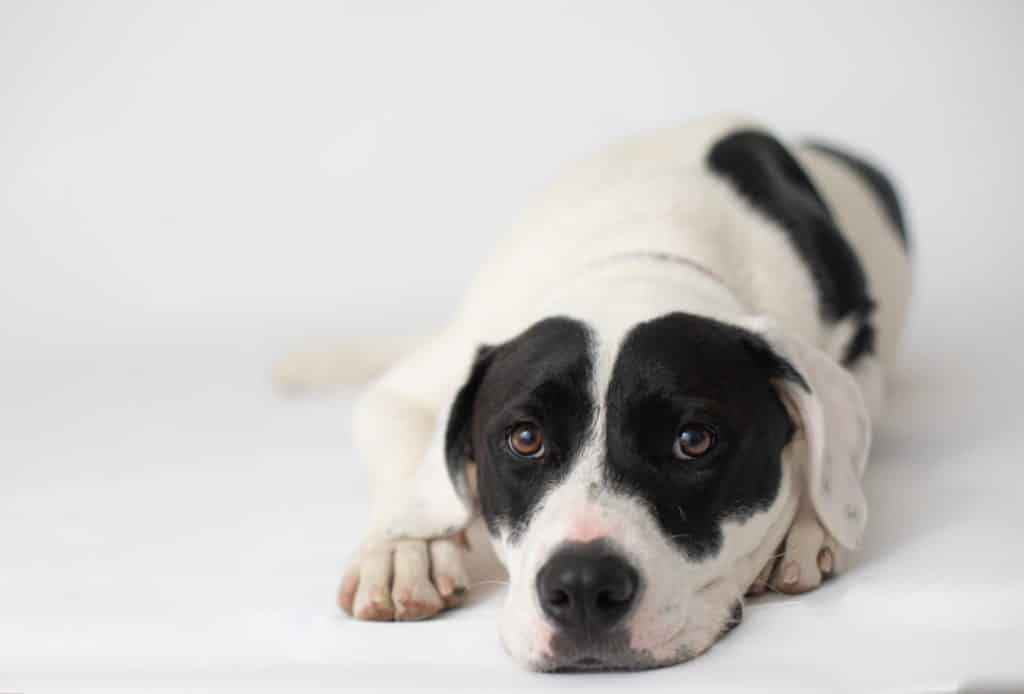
[834, 422]
[458, 447]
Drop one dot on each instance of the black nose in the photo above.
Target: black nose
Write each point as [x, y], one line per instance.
[586, 587]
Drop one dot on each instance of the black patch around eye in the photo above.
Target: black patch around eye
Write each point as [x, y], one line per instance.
[676, 368]
[543, 375]
[764, 172]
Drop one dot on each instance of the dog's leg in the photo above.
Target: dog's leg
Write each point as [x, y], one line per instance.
[411, 565]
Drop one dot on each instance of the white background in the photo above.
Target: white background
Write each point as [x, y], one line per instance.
[189, 189]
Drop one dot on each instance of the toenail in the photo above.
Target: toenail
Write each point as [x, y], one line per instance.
[825, 560]
[445, 585]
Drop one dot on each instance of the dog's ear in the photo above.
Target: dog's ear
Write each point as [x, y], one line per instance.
[458, 444]
[833, 420]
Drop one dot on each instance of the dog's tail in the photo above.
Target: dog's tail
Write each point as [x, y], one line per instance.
[349, 363]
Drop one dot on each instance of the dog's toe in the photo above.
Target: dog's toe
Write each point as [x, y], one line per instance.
[832, 559]
[413, 594]
[798, 570]
[373, 595]
[405, 580]
[347, 590]
[448, 571]
[811, 555]
[763, 580]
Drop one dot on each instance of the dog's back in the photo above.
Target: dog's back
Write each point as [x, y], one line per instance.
[708, 192]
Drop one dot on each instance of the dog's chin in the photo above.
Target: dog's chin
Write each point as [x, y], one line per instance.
[554, 652]
[611, 656]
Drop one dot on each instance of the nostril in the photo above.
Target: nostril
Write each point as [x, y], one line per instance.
[618, 594]
[559, 598]
[607, 600]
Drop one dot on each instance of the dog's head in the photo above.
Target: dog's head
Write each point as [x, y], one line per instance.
[634, 490]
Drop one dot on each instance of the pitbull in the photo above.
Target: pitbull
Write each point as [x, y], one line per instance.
[657, 395]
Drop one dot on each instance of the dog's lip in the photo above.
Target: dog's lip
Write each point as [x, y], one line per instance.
[586, 664]
[598, 661]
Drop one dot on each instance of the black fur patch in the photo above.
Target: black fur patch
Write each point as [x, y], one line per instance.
[735, 619]
[876, 180]
[683, 368]
[542, 376]
[458, 451]
[862, 342]
[765, 173]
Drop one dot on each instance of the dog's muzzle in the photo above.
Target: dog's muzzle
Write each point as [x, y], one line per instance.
[586, 590]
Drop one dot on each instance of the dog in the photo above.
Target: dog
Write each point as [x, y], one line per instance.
[658, 396]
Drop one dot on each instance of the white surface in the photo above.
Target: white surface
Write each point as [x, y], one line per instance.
[187, 190]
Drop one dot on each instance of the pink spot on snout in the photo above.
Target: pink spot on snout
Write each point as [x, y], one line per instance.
[588, 527]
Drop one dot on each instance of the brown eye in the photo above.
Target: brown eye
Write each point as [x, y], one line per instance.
[526, 440]
[693, 441]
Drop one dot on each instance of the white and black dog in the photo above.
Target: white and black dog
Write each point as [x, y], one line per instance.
[658, 395]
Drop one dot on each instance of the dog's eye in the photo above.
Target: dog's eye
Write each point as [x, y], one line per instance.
[694, 440]
[526, 440]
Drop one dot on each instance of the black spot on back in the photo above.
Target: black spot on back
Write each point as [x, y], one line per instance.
[542, 376]
[876, 180]
[768, 176]
[683, 368]
[863, 342]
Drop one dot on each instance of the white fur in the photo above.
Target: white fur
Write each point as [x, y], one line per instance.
[651, 193]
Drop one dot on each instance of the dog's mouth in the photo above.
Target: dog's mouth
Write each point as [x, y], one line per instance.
[588, 664]
[603, 657]
[595, 664]
[592, 664]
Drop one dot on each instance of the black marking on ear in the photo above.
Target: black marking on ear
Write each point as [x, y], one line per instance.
[683, 368]
[862, 342]
[767, 175]
[457, 441]
[772, 363]
[876, 180]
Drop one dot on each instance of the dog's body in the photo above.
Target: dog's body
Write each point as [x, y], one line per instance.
[703, 284]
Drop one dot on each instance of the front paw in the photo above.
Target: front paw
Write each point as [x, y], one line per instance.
[807, 557]
[405, 580]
